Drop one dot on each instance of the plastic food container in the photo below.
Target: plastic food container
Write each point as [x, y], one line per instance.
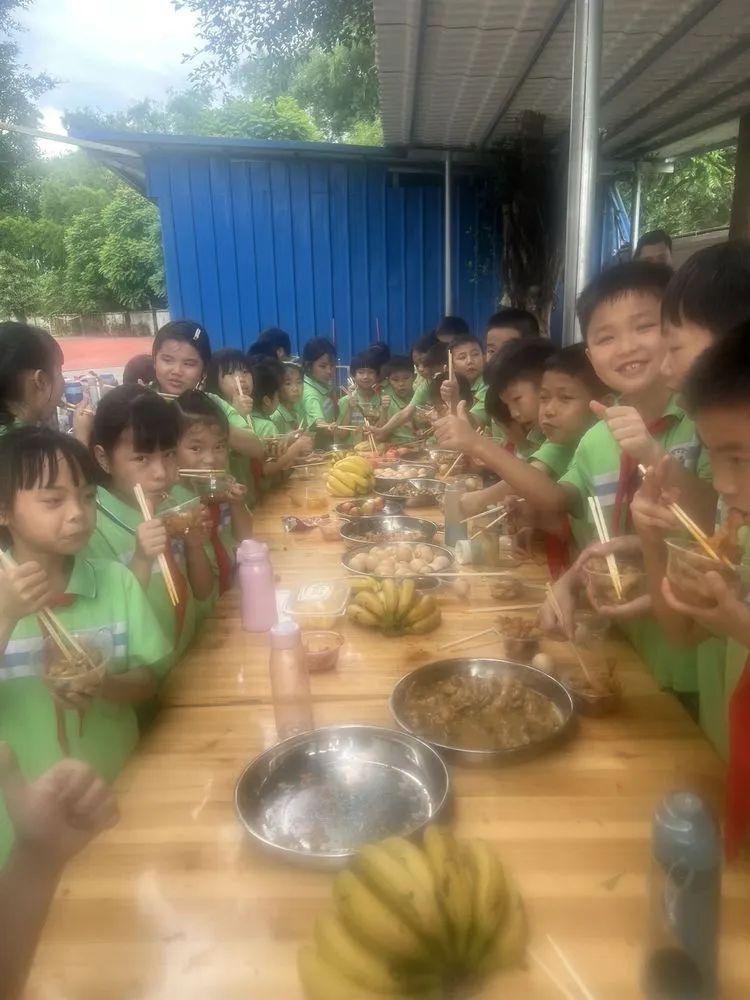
[182, 518]
[274, 447]
[321, 650]
[597, 575]
[318, 606]
[212, 490]
[687, 565]
[594, 701]
[331, 529]
[308, 497]
[520, 637]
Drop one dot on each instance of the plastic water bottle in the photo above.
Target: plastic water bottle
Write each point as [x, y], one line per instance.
[454, 530]
[290, 682]
[685, 895]
[257, 590]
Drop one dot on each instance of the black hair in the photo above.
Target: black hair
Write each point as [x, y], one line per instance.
[380, 353]
[643, 276]
[520, 320]
[652, 239]
[464, 389]
[364, 360]
[261, 349]
[314, 350]
[465, 338]
[226, 361]
[30, 458]
[711, 289]
[437, 355]
[23, 348]
[721, 375]
[139, 369]
[277, 339]
[425, 342]
[267, 376]
[398, 363]
[155, 422]
[291, 366]
[518, 359]
[452, 325]
[195, 407]
[574, 361]
[189, 332]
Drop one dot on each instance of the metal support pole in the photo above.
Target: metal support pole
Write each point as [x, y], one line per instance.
[448, 240]
[635, 209]
[584, 141]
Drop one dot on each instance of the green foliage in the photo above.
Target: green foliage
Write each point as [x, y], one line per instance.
[366, 133]
[130, 255]
[18, 286]
[338, 88]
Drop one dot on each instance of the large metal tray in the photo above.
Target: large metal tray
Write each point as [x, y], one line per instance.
[316, 798]
[435, 486]
[389, 524]
[437, 549]
[536, 679]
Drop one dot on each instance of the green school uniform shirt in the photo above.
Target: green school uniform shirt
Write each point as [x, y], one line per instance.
[110, 612]
[264, 427]
[239, 465]
[499, 434]
[350, 413]
[405, 433]
[555, 457]
[421, 396]
[114, 538]
[317, 402]
[181, 494]
[595, 470]
[735, 657]
[479, 392]
[287, 418]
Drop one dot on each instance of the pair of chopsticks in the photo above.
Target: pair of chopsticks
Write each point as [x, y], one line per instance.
[601, 529]
[174, 597]
[582, 990]
[695, 530]
[552, 597]
[483, 513]
[458, 459]
[468, 638]
[68, 645]
[486, 527]
[197, 473]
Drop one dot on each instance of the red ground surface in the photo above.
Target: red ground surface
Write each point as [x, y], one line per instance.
[101, 352]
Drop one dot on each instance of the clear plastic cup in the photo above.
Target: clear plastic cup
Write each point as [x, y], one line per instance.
[687, 565]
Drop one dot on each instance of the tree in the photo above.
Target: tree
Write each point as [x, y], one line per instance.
[130, 256]
[19, 292]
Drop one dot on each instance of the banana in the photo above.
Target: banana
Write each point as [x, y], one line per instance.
[419, 872]
[509, 945]
[390, 597]
[338, 488]
[372, 602]
[454, 889]
[361, 482]
[345, 953]
[406, 594]
[359, 466]
[423, 607]
[362, 616]
[489, 896]
[359, 583]
[324, 981]
[425, 625]
[375, 923]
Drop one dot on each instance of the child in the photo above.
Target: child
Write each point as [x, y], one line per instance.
[134, 441]
[31, 380]
[48, 513]
[399, 374]
[507, 325]
[436, 395]
[419, 356]
[279, 341]
[288, 416]
[139, 370]
[655, 247]
[182, 352]
[468, 361]
[514, 377]
[267, 377]
[449, 328]
[435, 363]
[318, 401]
[362, 405]
[204, 444]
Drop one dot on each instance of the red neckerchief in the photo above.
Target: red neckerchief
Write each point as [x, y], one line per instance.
[181, 587]
[557, 548]
[737, 807]
[61, 601]
[223, 561]
[627, 484]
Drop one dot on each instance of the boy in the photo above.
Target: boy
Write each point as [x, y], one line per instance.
[419, 356]
[507, 325]
[435, 363]
[655, 247]
[363, 404]
[399, 374]
[279, 341]
[514, 376]
[468, 361]
[288, 416]
[449, 328]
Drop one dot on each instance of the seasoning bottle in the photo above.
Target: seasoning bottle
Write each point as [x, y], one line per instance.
[290, 681]
[684, 901]
[257, 590]
[455, 531]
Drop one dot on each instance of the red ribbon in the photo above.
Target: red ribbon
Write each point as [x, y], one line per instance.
[737, 807]
[222, 557]
[627, 484]
[61, 601]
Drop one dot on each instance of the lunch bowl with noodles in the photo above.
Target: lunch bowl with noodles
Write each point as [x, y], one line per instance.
[212, 489]
[597, 697]
[601, 587]
[77, 672]
[182, 518]
[275, 446]
[687, 566]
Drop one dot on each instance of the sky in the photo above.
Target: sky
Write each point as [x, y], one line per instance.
[105, 53]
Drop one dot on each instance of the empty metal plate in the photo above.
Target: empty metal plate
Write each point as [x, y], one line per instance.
[316, 798]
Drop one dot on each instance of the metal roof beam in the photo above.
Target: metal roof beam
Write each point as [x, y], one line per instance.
[417, 65]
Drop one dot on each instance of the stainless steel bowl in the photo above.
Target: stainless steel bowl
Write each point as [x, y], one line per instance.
[438, 550]
[393, 507]
[430, 674]
[354, 530]
[420, 470]
[435, 486]
[316, 798]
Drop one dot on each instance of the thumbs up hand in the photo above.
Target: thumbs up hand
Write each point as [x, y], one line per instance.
[455, 433]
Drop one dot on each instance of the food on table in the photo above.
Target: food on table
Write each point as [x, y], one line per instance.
[412, 491]
[545, 663]
[397, 535]
[632, 580]
[350, 477]
[416, 921]
[321, 650]
[473, 483]
[318, 605]
[599, 695]
[183, 518]
[211, 489]
[274, 447]
[687, 566]
[461, 588]
[480, 713]
[406, 472]
[309, 497]
[448, 461]
[394, 607]
[75, 673]
[361, 508]
[400, 559]
[330, 528]
[520, 635]
[507, 589]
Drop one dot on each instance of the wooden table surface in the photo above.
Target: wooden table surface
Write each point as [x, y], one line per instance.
[175, 904]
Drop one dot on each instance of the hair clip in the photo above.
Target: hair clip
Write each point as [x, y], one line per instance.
[197, 334]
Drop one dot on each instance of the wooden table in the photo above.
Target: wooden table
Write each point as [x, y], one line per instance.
[175, 904]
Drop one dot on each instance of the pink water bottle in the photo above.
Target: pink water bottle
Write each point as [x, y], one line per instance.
[290, 682]
[257, 590]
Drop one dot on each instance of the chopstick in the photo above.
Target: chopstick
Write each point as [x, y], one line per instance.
[202, 472]
[504, 607]
[491, 510]
[564, 991]
[467, 638]
[488, 526]
[574, 975]
[163, 567]
[695, 530]
[552, 596]
[458, 459]
[601, 529]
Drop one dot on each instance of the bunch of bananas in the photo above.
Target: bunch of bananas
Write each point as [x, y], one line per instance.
[350, 477]
[414, 923]
[395, 606]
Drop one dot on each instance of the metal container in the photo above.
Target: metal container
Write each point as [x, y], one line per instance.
[416, 470]
[437, 550]
[353, 532]
[392, 507]
[435, 486]
[316, 798]
[537, 680]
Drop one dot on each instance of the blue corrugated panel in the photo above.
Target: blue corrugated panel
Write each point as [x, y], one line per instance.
[312, 245]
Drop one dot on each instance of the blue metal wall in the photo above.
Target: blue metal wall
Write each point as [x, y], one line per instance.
[299, 244]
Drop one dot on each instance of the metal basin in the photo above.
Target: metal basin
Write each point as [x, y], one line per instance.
[391, 527]
[435, 486]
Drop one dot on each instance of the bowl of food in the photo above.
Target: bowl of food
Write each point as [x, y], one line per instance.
[401, 471]
[507, 588]
[597, 695]
[520, 635]
[331, 528]
[687, 566]
[308, 497]
[318, 606]
[417, 492]
[211, 487]
[601, 586]
[275, 446]
[398, 560]
[387, 530]
[446, 461]
[75, 673]
[483, 711]
[321, 650]
[369, 507]
[182, 518]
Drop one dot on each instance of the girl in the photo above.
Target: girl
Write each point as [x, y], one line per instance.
[288, 416]
[134, 441]
[31, 379]
[47, 515]
[267, 378]
[318, 396]
[182, 352]
[204, 444]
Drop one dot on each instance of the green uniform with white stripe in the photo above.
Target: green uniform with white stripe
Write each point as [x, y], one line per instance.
[239, 465]
[556, 458]
[110, 613]
[421, 395]
[595, 470]
[405, 433]
[479, 392]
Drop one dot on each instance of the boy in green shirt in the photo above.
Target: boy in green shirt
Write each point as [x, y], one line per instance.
[468, 361]
[400, 377]
[507, 325]
[267, 376]
[47, 514]
[435, 363]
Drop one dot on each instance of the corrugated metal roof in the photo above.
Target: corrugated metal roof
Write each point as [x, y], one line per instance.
[460, 73]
